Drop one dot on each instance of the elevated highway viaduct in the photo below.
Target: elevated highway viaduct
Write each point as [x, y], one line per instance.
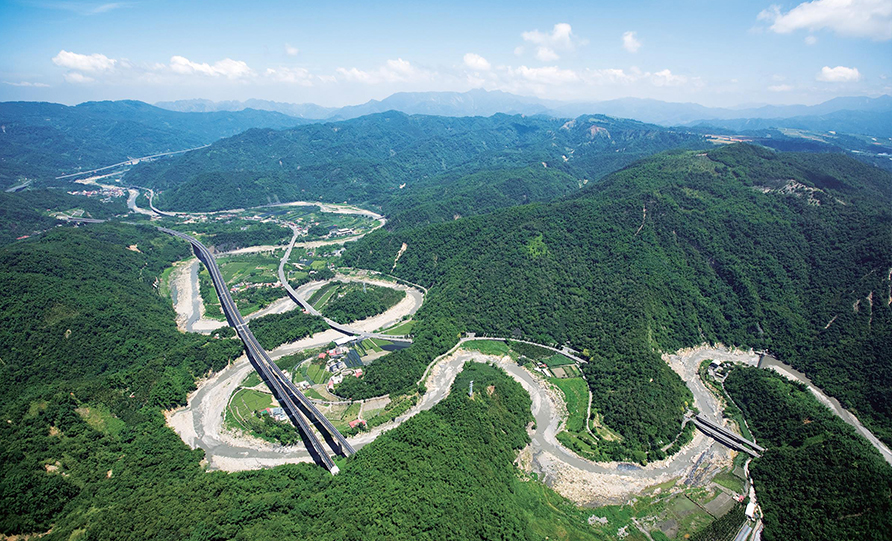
[297, 406]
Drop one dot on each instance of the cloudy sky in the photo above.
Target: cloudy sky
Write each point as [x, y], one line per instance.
[714, 52]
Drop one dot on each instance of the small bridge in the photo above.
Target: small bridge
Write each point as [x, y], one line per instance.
[726, 437]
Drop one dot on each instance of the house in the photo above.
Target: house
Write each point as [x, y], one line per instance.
[276, 413]
[358, 373]
[336, 367]
[357, 422]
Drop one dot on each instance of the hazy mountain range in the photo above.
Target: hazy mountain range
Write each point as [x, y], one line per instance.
[486, 103]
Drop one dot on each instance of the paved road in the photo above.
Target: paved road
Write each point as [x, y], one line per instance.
[789, 372]
[310, 309]
[292, 400]
[131, 161]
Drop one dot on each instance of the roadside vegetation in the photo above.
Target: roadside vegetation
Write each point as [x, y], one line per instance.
[817, 478]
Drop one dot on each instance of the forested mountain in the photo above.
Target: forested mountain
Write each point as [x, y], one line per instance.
[739, 245]
[90, 355]
[818, 479]
[27, 212]
[79, 306]
[45, 140]
[380, 159]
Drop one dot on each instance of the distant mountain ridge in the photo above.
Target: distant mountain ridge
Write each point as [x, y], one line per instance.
[480, 102]
[394, 161]
[44, 140]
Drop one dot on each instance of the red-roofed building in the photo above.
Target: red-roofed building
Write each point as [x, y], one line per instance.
[354, 424]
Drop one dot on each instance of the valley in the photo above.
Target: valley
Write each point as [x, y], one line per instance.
[591, 304]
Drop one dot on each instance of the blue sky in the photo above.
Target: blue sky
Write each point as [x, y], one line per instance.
[718, 52]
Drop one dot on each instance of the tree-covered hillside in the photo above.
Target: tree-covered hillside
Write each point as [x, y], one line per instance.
[28, 212]
[739, 245]
[80, 306]
[45, 140]
[385, 158]
[818, 479]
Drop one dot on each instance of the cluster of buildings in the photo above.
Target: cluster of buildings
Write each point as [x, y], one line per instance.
[341, 361]
[335, 231]
[242, 286]
[106, 193]
[339, 377]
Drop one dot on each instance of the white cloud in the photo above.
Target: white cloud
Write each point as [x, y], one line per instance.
[616, 76]
[291, 51]
[92, 63]
[476, 62]
[839, 74]
[667, 78]
[229, 68]
[609, 76]
[357, 75]
[855, 18]
[27, 83]
[551, 75]
[780, 88]
[75, 77]
[547, 44]
[393, 71]
[299, 76]
[546, 55]
[630, 43]
[518, 50]
[810, 40]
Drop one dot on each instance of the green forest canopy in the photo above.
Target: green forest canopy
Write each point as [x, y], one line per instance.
[739, 245]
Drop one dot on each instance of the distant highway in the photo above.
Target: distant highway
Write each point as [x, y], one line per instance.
[298, 407]
[131, 161]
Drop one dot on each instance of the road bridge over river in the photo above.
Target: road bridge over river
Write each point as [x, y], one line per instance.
[299, 408]
[311, 310]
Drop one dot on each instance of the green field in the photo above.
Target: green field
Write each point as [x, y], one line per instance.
[164, 282]
[371, 346]
[558, 360]
[321, 295]
[243, 405]
[730, 481]
[488, 347]
[252, 380]
[316, 373]
[401, 329]
[576, 395]
[212, 308]
[252, 268]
